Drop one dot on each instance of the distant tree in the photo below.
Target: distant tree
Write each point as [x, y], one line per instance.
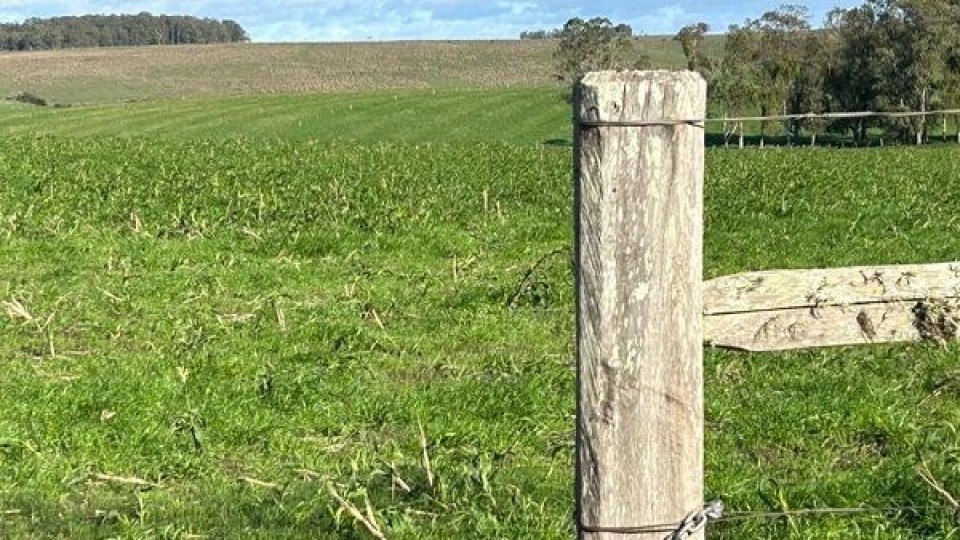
[863, 62]
[690, 38]
[235, 32]
[540, 34]
[895, 55]
[807, 92]
[595, 44]
[116, 30]
[623, 30]
[783, 37]
[887, 55]
[738, 81]
[763, 60]
[924, 39]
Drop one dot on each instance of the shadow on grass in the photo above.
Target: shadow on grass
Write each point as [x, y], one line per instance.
[755, 140]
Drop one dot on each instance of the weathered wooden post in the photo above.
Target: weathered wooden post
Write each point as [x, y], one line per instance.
[639, 228]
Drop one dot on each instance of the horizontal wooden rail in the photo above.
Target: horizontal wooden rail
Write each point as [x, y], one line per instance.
[792, 309]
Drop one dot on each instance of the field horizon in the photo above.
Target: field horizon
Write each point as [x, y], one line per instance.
[117, 74]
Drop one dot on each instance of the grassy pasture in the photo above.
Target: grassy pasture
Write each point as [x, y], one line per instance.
[198, 336]
[514, 115]
[523, 115]
[213, 308]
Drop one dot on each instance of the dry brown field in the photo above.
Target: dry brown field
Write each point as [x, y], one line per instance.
[106, 75]
[115, 74]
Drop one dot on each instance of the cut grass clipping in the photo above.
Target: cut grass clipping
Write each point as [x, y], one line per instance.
[238, 339]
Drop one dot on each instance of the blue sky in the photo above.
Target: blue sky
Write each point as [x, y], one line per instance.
[362, 20]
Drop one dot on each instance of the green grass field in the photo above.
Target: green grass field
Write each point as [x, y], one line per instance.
[243, 317]
[199, 336]
[525, 115]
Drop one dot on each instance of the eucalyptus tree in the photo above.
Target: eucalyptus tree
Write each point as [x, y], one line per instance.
[923, 35]
[895, 55]
[858, 71]
[807, 93]
[691, 39]
[736, 85]
[763, 60]
[594, 44]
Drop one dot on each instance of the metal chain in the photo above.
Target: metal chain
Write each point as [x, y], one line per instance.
[714, 512]
[696, 521]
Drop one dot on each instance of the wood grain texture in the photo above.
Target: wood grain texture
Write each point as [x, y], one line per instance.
[793, 309]
[799, 328]
[639, 197]
[781, 289]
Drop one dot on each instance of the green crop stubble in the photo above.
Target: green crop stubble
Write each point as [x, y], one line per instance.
[526, 115]
[223, 314]
[205, 337]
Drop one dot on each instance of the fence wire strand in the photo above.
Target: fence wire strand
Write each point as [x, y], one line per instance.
[714, 513]
[700, 122]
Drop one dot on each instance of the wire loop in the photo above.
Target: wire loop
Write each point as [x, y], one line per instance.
[637, 123]
[694, 522]
[714, 512]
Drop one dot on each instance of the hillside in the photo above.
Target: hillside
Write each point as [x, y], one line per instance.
[134, 73]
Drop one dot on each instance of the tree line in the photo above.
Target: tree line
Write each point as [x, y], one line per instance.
[884, 55]
[117, 30]
[540, 34]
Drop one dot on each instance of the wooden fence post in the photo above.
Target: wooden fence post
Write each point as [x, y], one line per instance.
[639, 236]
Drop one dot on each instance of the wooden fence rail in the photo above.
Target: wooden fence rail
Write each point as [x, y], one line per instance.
[644, 312]
[792, 309]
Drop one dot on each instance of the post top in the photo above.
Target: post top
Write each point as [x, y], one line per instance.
[628, 76]
[660, 97]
